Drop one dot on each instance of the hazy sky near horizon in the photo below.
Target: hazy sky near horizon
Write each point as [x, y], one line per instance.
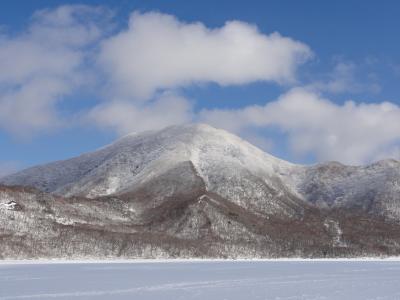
[307, 81]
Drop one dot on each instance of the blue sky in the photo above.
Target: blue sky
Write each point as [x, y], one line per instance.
[297, 108]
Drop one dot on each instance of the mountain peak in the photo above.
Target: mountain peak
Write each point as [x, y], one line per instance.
[188, 127]
[139, 156]
[184, 132]
[223, 163]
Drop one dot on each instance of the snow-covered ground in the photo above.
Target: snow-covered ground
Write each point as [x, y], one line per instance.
[282, 279]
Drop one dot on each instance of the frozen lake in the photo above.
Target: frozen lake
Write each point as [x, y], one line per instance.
[203, 280]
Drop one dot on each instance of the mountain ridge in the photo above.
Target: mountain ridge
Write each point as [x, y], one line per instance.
[118, 167]
[196, 191]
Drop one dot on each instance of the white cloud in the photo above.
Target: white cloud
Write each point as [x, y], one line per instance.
[44, 64]
[344, 79]
[351, 133]
[53, 58]
[125, 117]
[158, 54]
[158, 51]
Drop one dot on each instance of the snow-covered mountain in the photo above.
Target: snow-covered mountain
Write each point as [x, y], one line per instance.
[194, 190]
[373, 188]
[228, 166]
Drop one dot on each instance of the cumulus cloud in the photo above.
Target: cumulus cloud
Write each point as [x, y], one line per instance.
[125, 117]
[158, 51]
[43, 64]
[157, 54]
[146, 64]
[351, 133]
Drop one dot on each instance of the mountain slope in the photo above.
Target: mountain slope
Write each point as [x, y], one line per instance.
[35, 224]
[373, 188]
[196, 191]
[228, 166]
